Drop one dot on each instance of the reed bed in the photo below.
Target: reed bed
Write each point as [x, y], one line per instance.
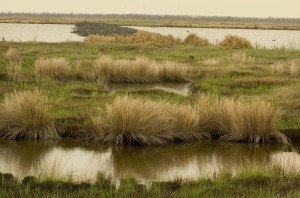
[56, 68]
[140, 70]
[138, 37]
[233, 41]
[230, 41]
[25, 115]
[129, 120]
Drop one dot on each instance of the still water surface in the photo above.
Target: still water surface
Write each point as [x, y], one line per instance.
[61, 33]
[146, 164]
[37, 32]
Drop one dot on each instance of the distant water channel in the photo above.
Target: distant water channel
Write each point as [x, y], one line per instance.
[19, 32]
[154, 163]
[61, 33]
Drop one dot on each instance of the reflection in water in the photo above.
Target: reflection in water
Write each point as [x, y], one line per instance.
[167, 162]
[177, 88]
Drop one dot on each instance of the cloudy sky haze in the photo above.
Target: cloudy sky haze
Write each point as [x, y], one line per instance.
[240, 8]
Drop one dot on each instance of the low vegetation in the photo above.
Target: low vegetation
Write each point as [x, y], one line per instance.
[130, 120]
[56, 68]
[295, 69]
[141, 70]
[195, 40]
[25, 115]
[233, 41]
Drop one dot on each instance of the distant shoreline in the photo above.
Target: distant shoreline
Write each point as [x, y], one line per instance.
[156, 21]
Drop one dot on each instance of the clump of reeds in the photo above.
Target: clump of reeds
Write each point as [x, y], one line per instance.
[295, 69]
[241, 58]
[13, 55]
[138, 37]
[25, 115]
[140, 70]
[131, 120]
[195, 40]
[56, 68]
[172, 72]
[233, 41]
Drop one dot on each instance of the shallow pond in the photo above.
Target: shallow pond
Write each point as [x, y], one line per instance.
[154, 163]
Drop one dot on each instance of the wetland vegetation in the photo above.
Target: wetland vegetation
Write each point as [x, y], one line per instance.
[64, 91]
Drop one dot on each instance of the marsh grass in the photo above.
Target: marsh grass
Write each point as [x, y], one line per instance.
[295, 69]
[140, 70]
[195, 40]
[233, 41]
[241, 58]
[138, 37]
[25, 115]
[211, 61]
[13, 55]
[129, 121]
[279, 67]
[55, 68]
[14, 71]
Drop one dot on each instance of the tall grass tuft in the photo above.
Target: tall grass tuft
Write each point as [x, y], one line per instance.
[56, 68]
[25, 115]
[233, 41]
[140, 70]
[279, 67]
[195, 40]
[172, 72]
[101, 84]
[131, 120]
[295, 69]
[249, 121]
[13, 55]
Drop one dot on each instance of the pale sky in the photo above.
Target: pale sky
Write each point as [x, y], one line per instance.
[241, 8]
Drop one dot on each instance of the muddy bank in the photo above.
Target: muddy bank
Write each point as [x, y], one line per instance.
[85, 29]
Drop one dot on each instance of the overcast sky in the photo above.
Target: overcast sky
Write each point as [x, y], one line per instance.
[242, 8]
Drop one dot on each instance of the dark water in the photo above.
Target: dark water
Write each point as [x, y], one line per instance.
[83, 161]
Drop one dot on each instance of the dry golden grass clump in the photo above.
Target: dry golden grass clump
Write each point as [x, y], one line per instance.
[56, 68]
[129, 120]
[233, 41]
[82, 73]
[241, 58]
[295, 69]
[195, 40]
[25, 115]
[172, 72]
[140, 70]
[138, 37]
[13, 55]
[237, 120]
